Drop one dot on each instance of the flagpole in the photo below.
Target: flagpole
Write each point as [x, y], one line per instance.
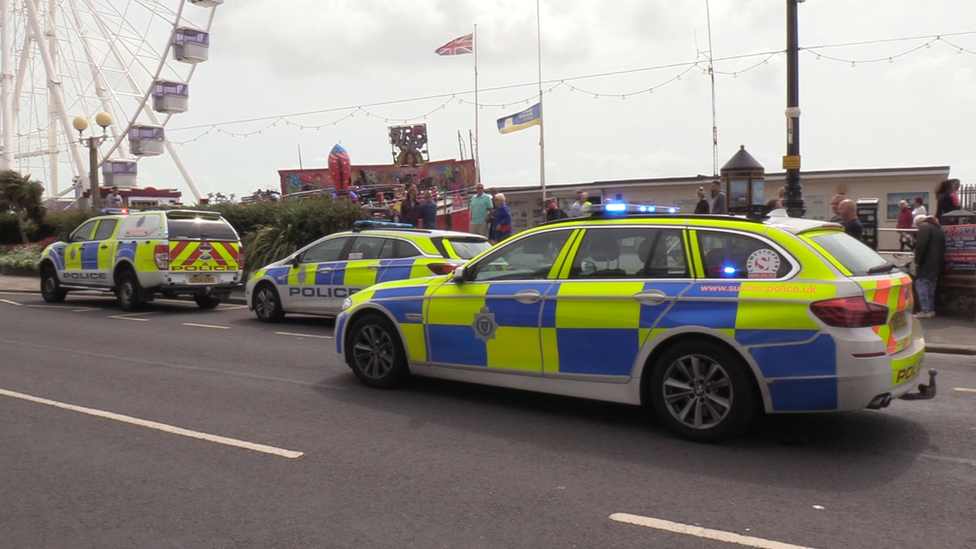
[477, 106]
[542, 120]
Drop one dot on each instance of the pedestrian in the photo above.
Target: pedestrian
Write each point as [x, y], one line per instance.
[929, 262]
[834, 207]
[501, 219]
[781, 194]
[553, 212]
[943, 198]
[919, 208]
[905, 221]
[720, 204]
[428, 212]
[480, 205]
[702, 207]
[582, 197]
[774, 204]
[848, 215]
[114, 199]
[410, 208]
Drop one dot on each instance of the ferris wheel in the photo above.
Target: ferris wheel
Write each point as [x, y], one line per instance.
[62, 59]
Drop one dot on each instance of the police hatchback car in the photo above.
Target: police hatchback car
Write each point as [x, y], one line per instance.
[706, 320]
[316, 279]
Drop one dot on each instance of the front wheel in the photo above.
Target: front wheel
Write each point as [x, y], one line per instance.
[376, 354]
[50, 286]
[127, 291]
[267, 305]
[207, 301]
[702, 392]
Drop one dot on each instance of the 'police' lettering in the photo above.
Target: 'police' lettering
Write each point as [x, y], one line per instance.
[311, 291]
[202, 268]
[85, 276]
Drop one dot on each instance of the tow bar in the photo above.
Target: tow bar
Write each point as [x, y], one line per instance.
[925, 392]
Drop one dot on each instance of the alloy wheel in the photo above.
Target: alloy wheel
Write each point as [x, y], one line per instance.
[373, 352]
[697, 391]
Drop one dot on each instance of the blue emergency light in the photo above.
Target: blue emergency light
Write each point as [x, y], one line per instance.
[370, 224]
[615, 208]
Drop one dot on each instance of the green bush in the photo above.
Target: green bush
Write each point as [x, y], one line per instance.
[54, 224]
[21, 258]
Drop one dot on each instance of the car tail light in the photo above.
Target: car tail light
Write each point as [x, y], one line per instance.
[442, 268]
[850, 312]
[240, 258]
[161, 257]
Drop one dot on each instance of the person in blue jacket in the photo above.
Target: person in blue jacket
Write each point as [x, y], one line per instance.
[501, 219]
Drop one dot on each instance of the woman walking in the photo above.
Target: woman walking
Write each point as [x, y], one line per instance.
[501, 219]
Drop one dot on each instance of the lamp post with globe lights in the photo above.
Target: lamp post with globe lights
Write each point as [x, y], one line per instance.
[80, 123]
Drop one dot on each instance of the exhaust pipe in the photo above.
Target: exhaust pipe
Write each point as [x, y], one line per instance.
[880, 401]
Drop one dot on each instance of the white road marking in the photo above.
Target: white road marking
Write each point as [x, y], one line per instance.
[302, 335]
[705, 533]
[85, 310]
[146, 313]
[117, 317]
[291, 454]
[223, 308]
[964, 390]
[46, 306]
[8, 302]
[206, 326]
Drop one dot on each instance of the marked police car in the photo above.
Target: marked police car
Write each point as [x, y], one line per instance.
[706, 320]
[316, 279]
[139, 254]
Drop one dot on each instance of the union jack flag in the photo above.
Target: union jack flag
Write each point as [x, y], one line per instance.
[464, 44]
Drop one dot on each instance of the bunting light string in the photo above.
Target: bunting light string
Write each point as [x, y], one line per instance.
[407, 120]
[817, 50]
[651, 89]
[735, 74]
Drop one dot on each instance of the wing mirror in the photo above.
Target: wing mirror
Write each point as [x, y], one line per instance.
[459, 275]
[65, 237]
[441, 269]
[295, 261]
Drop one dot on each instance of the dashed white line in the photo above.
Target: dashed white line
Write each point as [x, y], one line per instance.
[223, 308]
[14, 303]
[699, 532]
[45, 306]
[133, 319]
[263, 448]
[302, 335]
[206, 326]
[85, 310]
[965, 390]
[146, 313]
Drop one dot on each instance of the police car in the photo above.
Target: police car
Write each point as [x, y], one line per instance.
[140, 254]
[316, 279]
[706, 320]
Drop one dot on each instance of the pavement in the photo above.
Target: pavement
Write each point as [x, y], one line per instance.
[943, 334]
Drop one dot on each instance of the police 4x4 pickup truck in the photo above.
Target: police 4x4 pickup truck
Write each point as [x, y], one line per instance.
[140, 254]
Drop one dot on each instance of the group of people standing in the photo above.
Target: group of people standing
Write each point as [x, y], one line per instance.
[490, 216]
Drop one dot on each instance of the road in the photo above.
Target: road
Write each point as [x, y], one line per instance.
[178, 428]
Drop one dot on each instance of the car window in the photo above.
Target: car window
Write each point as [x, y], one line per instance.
[630, 252]
[388, 249]
[850, 252]
[729, 255]
[205, 229]
[83, 233]
[528, 258]
[330, 250]
[466, 248]
[105, 229]
[365, 248]
[406, 249]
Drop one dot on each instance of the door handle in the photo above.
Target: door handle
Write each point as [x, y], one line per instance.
[103, 247]
[324, 270]
[651, 297]
[375, 267]
[528, 296]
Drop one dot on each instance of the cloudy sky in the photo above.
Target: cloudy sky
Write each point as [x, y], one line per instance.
[271, 61]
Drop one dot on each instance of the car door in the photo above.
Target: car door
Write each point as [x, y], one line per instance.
[310, 279]
[610, 295]
[361, 266]
[81, 256]
[489, 315]
[103, 237]
[401, 259]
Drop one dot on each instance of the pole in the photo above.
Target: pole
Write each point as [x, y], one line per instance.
[794, 190]
[711, 73]
[6, 90]
[477, 107]
[96, 194]
[542, 119]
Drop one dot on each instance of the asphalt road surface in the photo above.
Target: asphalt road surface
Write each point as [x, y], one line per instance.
[182, 428]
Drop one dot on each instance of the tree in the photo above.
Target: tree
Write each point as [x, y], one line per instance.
[22, 195]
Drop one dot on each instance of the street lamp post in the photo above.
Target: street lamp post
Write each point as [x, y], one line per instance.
[791, 162]
[80, 123]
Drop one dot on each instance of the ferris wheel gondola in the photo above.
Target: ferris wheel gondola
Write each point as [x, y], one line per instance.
[133, 59]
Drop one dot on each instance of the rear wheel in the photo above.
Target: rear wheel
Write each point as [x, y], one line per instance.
[376, 354]
[267, 305]
[127, 291]
[207, 301]
[50, 286]
[702, 391]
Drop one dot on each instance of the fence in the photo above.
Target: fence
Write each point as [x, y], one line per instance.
[967, 197]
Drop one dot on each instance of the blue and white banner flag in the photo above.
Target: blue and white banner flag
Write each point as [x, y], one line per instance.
[529, 117]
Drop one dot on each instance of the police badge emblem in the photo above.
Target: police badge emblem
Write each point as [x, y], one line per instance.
[302, 274]
[72, 254]
[484, 325]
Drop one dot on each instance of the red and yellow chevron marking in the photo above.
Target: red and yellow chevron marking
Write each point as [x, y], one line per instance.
[186, 255]
[897, 296]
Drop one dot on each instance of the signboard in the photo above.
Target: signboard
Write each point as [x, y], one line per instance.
[960, 248]
[791, 162]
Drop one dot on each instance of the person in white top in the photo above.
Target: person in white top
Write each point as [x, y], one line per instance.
[919, 208]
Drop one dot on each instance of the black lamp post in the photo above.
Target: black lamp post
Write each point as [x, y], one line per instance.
[80, 123]
[791, 162]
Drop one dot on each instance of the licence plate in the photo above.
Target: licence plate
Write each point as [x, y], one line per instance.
[898, 322]
[202, 279]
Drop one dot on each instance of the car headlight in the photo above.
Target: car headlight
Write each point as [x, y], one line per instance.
[346, 303]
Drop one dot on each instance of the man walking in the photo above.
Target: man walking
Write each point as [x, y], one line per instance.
[428, 212]
[582, 198]
[835, 207]
[848, 215]
[720, 204]
[929, 261]
[480, 205]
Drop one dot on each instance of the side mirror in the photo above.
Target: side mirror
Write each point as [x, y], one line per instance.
[65, 237]
[295, 261]
[458, 275]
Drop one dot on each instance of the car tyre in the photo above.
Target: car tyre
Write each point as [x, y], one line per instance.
[267, 304]
[376, 354]
[50, 286]
[702, 391]
[127, 291]
[207, 301]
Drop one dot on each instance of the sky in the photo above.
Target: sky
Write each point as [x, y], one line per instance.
[270, 61]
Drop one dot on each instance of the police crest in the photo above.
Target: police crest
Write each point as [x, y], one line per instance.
[484, 325]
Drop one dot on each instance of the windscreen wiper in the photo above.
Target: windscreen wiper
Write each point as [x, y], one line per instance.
[887, 266]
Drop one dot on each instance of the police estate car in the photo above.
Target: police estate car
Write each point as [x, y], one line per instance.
[139, 254]
[317, 278]
[705, 319]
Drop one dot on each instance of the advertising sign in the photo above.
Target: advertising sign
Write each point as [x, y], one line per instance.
[960, 248]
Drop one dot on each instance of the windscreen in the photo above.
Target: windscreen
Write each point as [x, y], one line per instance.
[849, 252]
[203, 229]
[467, 248]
